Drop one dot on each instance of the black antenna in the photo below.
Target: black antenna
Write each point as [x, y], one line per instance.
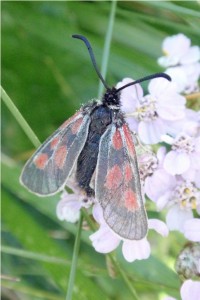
[149, 77]
[87, 43]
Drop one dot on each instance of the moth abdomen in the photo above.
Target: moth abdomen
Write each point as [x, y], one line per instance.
[101, 117]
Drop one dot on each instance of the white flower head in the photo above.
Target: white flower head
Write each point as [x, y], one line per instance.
[184, 154]
[148, 115]
[178, 50]
[148, 163]
[185, 77]
[105, 240]
[182, 62]
[181, 200]
[157, 180]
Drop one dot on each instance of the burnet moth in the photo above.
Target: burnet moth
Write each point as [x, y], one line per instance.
[95, 145]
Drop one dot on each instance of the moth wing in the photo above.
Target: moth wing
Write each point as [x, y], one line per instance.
[117, 184]
[47, 171]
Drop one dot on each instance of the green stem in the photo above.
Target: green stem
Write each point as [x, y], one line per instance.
[125, 278]
[107, 43]
[74, 260]
[20, 119]
[88, 219]
[115, 263]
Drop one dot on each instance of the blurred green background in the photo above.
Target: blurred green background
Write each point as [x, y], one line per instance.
[48, 75]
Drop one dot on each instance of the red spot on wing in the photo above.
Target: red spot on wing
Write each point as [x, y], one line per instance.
[128, 173]
[117, 142]
[114, 178]
[129, 140]
[41, 160]
[54, 142]
[130, 200]
[75, 127]
[60, 156]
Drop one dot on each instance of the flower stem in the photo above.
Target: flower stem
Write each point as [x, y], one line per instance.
[113, 260]
[74, 260]
[107, 43]
[20, 119]
[125, 278]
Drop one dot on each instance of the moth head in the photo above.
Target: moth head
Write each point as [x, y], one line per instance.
[111, 97]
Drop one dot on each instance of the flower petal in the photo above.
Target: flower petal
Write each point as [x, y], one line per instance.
[175, 47]
[192, 55]
[163, 200]
[190, 290]
[69, 210]
[151, 132]
[159, 226]
[130, 96]
[192, 230]
[133, 250]
[179, 77]
[171, 107]
[176, 218]
[176, 163]
[98, 213]
[160, 86]
[132, 123]
[195, 160]
[103, 240]
[161, 154]
[158, 183]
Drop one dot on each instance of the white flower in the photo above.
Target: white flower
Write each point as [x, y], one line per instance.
[182, 61]
[192, 230]
[178, 50]
[190, 290]
[157, 180]
[182, 199]
[190, 124]
[193, 176]
[105, 240]
[149, 115]
[68, 208]
[185, 77]
[184, 154]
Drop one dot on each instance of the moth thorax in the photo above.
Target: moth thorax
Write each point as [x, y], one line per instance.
[111, 97]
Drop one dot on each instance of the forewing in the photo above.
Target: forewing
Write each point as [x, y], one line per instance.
[48, 169]
[117, 184]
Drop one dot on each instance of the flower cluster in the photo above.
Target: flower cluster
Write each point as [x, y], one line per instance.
[172, 177]
[182, 62]
[169, 170]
